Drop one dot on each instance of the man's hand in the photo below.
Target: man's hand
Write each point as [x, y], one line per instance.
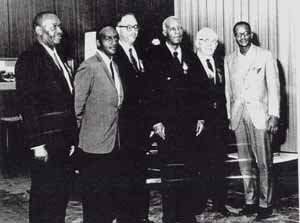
[72, 150]
[40, 153]
[159, 129]
[200, 126]
[272, 125]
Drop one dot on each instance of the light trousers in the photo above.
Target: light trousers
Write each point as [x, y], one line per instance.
[255, 161]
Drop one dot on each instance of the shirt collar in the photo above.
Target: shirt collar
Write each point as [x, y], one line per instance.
[48, 49]
[178, 50]
[105, 58]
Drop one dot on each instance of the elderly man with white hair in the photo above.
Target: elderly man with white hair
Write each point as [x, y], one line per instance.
[212, 140]
[177, 117]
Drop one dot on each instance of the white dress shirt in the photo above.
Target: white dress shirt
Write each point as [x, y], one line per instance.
[126, 48]
[178, 50]
[203, 58]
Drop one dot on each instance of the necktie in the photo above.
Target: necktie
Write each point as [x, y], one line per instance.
[112, 70]
[133, 60]
[175, 55]
[209, 65]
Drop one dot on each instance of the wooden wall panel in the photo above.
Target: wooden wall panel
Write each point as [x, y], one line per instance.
[78, 16]
[4, 29]
[21, 14]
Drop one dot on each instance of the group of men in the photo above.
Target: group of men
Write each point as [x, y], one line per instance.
[100, 122]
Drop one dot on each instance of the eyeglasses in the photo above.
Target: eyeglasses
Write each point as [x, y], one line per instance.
[111, 39]
[130, 28]
[208, 41]
[245, 34]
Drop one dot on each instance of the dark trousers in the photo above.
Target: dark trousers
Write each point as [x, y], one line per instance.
[50, 188]
[133, 196]
[98, 183]
[212, 154]
[180, 181]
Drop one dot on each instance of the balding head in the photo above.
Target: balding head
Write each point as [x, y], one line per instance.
[206, 41]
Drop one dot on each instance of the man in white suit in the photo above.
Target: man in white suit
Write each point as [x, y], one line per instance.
[253, 98]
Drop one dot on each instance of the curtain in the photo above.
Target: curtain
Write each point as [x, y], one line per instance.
[274, 25]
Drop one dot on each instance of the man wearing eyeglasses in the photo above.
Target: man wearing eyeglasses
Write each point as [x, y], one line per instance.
[46, 103]
[134, 195]
[212, 141]
[178, 111]
[98, 99]
[253, 98]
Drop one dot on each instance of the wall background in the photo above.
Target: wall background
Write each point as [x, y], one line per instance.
[77, 16]
[275, 23]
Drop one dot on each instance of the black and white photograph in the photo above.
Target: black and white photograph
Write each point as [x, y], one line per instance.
[149, 111]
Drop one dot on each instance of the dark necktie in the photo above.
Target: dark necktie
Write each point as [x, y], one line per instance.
[112, 70]
[209, 65]
[175, 55]
[133, 60]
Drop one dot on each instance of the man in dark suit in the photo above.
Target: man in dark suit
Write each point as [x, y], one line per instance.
[45, 101]
[212, 141]
[177, 116]
[98, 98]
[134, 202]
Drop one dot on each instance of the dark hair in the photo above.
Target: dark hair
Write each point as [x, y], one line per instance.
[37, 20]
[241, 23]
[100, 33]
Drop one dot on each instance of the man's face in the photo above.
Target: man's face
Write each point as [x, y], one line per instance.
[243, 36]
[128, 29]
[50, 31]
[109, 42]
[174, 32]
[206, 45]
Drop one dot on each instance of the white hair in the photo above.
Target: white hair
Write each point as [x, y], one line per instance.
[206, 32]
[167, 20]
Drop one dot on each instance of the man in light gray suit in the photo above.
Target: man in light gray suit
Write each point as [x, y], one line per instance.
[253, 98]
[98, 98]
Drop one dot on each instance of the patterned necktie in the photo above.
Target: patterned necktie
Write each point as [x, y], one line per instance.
[112, 70]
[133, 60]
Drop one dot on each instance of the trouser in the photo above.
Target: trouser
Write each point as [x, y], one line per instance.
[211, 150]
[50, 187]
[255, 161]
[133, 194]
[98, 182]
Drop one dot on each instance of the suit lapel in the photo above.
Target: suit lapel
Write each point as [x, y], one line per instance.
[52, 68]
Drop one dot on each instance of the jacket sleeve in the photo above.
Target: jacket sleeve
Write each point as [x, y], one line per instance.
[273, 85]
[83, 82]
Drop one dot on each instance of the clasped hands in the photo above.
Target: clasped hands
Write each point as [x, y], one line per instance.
[160, 129]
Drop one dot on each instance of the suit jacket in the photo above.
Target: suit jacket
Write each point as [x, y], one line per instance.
[177, 93]
[254, 86]
[96, 106]
[215, 96]
[44, 100]
[133, 130]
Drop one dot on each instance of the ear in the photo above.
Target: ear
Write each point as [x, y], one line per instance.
[98, 44]
[251, 35]
[164, 32]
[118, 30]
[38, 30]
